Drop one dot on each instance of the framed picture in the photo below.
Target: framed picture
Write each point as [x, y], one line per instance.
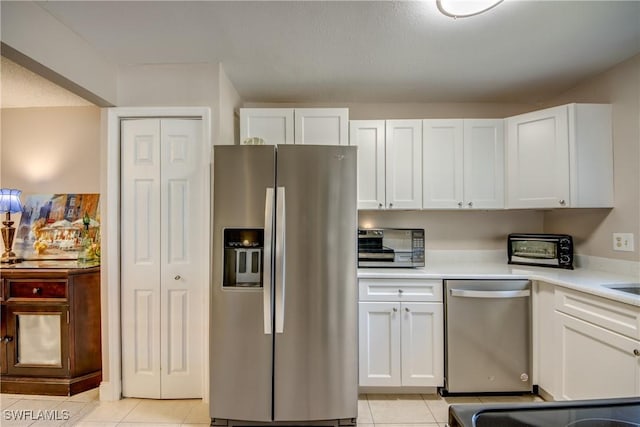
[58, 226]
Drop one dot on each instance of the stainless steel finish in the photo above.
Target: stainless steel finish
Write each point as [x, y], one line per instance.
[241, 353]
[268, 243]
[280, 258]
[316, 364]
[562, 202]
[307, 371]
[629, 288]
[488, 336]
[489, 294]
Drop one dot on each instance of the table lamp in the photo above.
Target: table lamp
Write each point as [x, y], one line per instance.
[9, 203]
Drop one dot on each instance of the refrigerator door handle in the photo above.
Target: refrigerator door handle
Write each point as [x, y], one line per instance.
[266, 271]
[280, 259]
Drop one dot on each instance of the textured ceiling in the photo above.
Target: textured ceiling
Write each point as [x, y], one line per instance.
[22, 88]
[367, 51]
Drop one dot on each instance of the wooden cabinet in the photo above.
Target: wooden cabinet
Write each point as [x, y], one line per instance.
[50, 330]
[317, 126]
[463, 164]
[560, 157]
[597, 347]
[401, 339]
[389, 163]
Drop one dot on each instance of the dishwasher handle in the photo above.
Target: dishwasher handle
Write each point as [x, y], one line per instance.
[490, 294]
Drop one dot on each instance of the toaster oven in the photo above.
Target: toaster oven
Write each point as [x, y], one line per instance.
[546, 250]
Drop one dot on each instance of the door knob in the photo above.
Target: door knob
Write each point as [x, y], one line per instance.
[7, 339]
[177, 277]
[390, 205]
[400, 291]
[470, 204]
[562, 202]
[459, 204]
[407, 309]
[36, 291]
[379, 205]
[395, 309]
[636, 352]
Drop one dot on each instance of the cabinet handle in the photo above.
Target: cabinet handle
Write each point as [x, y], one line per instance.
[390, 205]
[636, 352]
[177, 277]
[395, 309]
[379, 205]
[562, 202]
[36, 291]
[459, 204]
[470, 204]
[407, 309]
[400, 291]
[7, 339]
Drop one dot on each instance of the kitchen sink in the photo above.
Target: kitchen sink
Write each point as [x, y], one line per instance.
[630, 288]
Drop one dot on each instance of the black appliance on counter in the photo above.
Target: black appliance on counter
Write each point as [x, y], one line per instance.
[620, 412]
[391, 247]
[543, 250]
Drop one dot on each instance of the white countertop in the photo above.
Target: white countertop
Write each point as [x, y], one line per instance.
[581, 279]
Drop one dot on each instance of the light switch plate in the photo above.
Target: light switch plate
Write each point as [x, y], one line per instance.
[623, 242]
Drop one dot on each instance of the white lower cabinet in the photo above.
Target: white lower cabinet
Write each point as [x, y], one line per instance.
[401, 342]
[597, 347]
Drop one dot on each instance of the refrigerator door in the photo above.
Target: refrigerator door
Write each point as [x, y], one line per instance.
[316, 355]
[241, 317]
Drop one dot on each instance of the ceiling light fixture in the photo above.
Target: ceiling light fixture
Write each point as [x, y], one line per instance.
[465, 8]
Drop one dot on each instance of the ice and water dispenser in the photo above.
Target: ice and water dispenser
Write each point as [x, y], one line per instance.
[243, 257]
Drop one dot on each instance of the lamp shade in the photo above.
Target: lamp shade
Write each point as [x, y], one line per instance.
[10, 200]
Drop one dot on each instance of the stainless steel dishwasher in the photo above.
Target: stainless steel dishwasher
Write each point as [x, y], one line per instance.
[487, 336]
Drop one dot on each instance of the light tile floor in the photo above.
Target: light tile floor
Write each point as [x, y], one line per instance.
[86, 410]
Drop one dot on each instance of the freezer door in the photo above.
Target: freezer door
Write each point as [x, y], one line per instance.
[315, 375]
[241, 342]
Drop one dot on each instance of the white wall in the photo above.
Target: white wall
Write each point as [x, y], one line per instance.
[619, 86]
[57, 52]
[228, 120]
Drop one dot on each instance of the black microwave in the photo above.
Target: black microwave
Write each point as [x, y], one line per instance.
[544, 250]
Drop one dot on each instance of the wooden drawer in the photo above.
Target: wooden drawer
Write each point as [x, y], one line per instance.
[36, 289]
[429, 290]
[613, 315]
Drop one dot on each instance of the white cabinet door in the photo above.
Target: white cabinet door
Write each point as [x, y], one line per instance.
[484, 163]
[422, 344]
[404, 164]
[379, 336]
[369, 136]
[538, 159]
[594, 362]
[273, 125]
[442, 167]
[463, 164]
[322, 126]
[544, 332]
[163, 259]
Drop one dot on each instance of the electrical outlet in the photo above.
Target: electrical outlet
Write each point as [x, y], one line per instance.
[623, 242]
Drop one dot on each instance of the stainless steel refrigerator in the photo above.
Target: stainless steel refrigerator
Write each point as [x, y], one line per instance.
[284, 290]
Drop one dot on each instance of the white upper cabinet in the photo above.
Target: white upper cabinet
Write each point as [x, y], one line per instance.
[389, 163]
[463, 164]
[369, 136]
[317, 126]
[404, 164]
[560, 157]
[322, 126]
[273, 125]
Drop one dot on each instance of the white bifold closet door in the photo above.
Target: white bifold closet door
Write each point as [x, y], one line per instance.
[162, 248]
